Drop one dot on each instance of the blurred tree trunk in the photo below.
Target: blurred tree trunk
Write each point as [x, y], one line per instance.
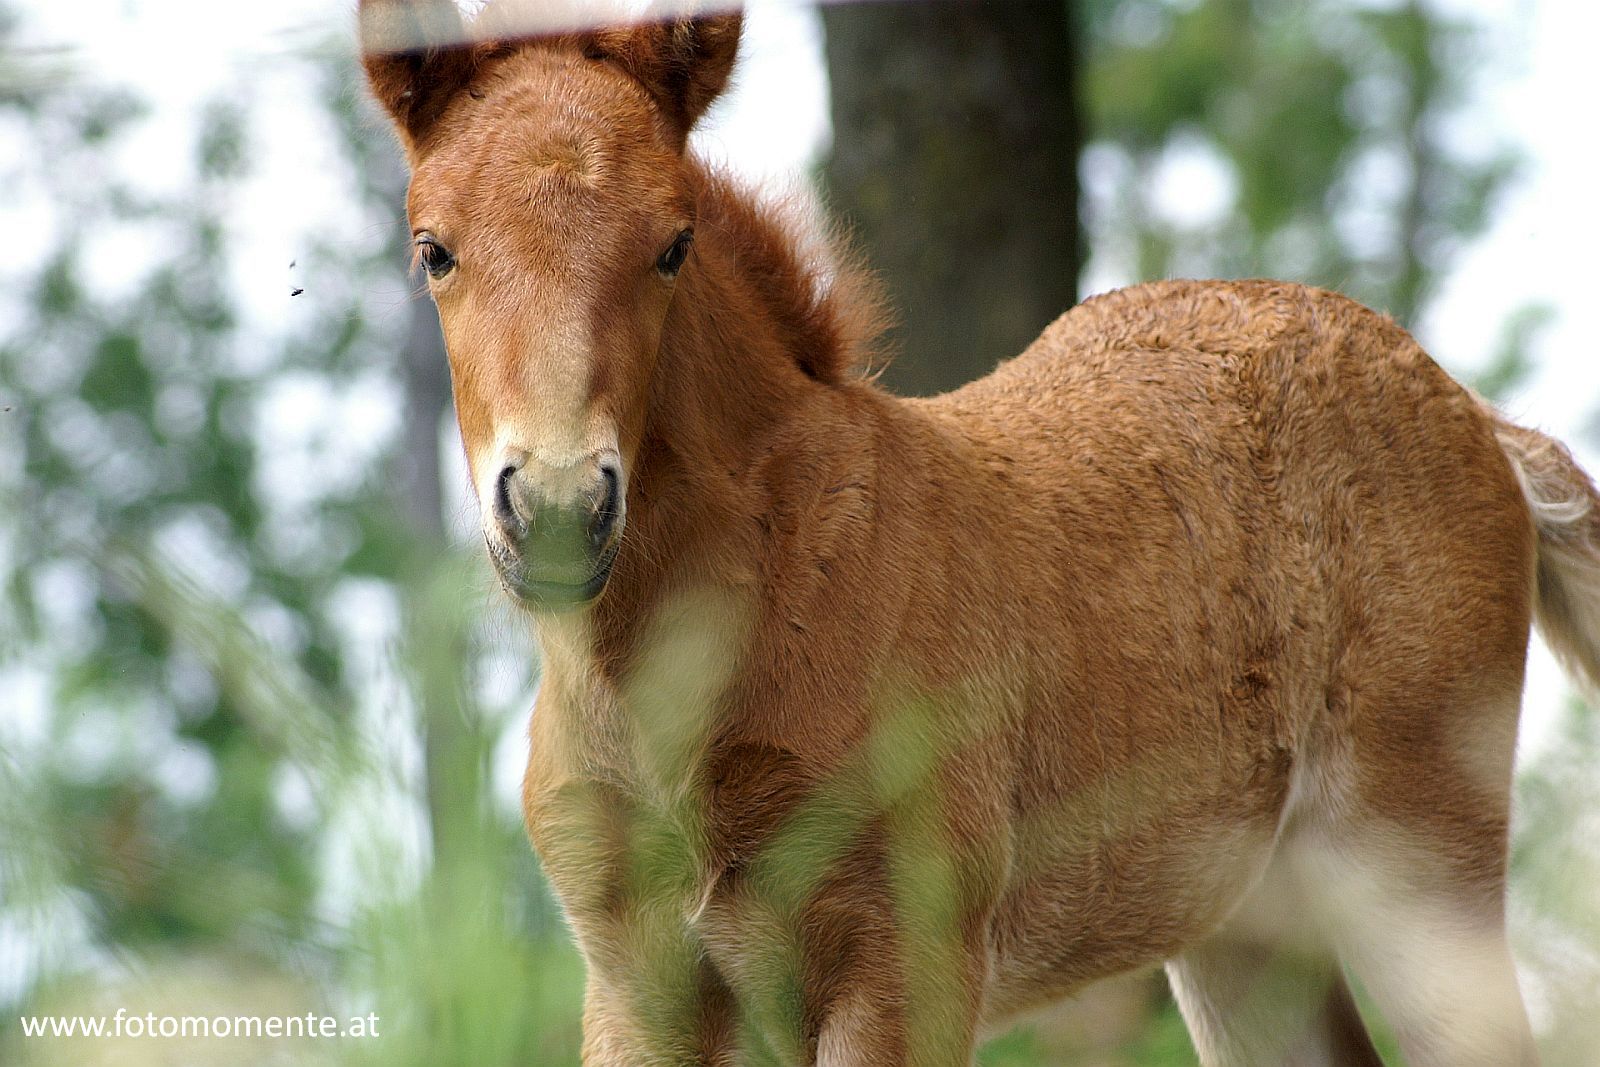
[426, 378]
[956, 139]
[455, 748]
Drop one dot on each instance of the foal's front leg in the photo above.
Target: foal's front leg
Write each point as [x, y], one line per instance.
[875, 1021]
[626, 876]
[879, 963]
[845, 995]
[872, 908]
[651, 1019]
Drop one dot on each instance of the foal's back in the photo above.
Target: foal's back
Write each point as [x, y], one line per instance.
[1295, 570]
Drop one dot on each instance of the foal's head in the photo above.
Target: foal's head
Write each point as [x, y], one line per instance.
[553, 212]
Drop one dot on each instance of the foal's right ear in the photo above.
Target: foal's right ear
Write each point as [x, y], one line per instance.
[417, 57]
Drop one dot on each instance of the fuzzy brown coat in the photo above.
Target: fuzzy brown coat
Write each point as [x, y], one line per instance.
[1194, 634]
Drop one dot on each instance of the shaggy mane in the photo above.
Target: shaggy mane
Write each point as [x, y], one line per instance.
[829, 306]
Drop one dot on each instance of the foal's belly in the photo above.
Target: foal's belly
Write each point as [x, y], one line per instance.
[1089, 907]
[1147, 839]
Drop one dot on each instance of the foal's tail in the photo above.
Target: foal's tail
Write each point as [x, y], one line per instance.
[1566, 511]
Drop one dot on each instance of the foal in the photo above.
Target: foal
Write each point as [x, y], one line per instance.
[1194, 634]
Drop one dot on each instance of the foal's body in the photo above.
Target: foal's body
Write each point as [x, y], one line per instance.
[1194, 634]
[1217, 593]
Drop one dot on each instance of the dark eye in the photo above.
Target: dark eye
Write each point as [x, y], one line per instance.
[436, 258]
[671, 260]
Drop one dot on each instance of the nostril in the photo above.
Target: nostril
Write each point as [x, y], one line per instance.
[504, 513]
[607, 511]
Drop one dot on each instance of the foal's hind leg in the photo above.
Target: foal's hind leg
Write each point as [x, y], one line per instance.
[1408, 877]
[1432, 953]
[1265, 990]
[1251, 1004]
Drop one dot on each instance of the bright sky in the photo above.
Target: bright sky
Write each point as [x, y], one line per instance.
[1538, 93]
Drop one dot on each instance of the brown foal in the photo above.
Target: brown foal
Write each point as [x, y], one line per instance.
[1193, 634]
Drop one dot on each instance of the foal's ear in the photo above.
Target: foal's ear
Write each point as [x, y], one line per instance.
[417, 57]
[683, 62]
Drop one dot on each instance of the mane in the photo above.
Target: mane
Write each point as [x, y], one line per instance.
[829, 307]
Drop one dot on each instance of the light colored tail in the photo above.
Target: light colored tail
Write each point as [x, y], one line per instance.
[1566, 511]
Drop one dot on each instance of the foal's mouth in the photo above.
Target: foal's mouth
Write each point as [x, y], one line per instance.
[550, 595]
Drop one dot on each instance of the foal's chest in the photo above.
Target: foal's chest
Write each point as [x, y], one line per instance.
[620, 795]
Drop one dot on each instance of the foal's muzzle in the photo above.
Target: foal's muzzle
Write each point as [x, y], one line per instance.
[553, 532]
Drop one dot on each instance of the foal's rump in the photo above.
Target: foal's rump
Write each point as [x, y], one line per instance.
[1301, 455]
[1373, 487]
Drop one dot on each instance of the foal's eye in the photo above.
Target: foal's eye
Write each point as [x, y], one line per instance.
[671, 260]
[436, 258]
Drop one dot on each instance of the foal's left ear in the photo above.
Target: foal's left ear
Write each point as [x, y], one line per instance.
[683, 62]
[417, 56]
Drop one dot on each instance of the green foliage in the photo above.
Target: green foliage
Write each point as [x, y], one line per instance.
[1511, 363]
[1555, 868]
[204, 761]
[1326, 121]
[487, 993]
